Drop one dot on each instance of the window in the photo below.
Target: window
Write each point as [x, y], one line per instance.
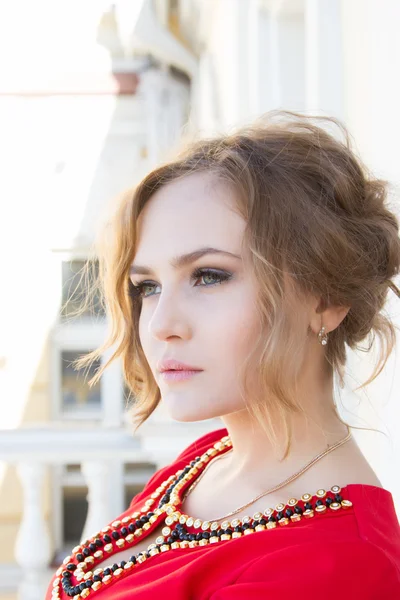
[77, 396]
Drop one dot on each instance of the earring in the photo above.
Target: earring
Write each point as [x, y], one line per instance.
[323, 337]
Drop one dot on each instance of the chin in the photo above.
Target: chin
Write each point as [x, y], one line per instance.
[185, 411]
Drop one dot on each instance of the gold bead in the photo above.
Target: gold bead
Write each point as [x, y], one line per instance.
[246, 519]
[225, 524]
[234, 523]
[236, 534]
[161, 539]
[85, 593]
[96, 585]
[214, 539]
[193, 543]
[247, 531]
[67, 560]
[106, 579]
[335, 489]
[118, 572]
[121, 542]
[147, 526]
[88, 575]
[268, 512]
[140, 558]
[215, 526]
[320, 508]
[98, 571]
[260, 527]
[125, 520]
[306, 497]
[271, 525]
[335, 506]
[127, 566]
[205, 525]
[129, 538]
[295, 517]
[292, 502]
[225, 536]
[279, 507]
[308, 513]
[321, 493]
[284, 521]
[184, 544]
[154, 551]
[116, 524]
[175, 545]
[108, 547]
[190, 522]
[203, 542]
[165, 547]
[257, 516]
[98, 554]
[346, 503]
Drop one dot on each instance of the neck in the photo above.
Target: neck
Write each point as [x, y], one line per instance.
[255, 458]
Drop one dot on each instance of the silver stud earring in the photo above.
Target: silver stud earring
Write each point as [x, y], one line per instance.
[323, 337]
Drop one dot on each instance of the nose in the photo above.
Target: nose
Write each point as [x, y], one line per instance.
[169, 319]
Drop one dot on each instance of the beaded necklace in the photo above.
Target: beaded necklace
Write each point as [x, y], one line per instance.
[180, 531]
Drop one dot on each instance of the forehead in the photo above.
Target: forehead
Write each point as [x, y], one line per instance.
[196, 210]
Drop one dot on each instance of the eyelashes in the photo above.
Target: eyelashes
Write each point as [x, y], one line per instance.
[137, 292]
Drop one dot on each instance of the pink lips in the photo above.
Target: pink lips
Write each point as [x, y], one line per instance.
[172, 370]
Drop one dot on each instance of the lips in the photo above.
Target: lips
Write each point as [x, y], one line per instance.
[171, 364]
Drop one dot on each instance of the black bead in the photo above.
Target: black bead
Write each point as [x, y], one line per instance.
[263, 521]
[89, 583]
[192, 537]
[246, 526]
[116, 535]
[147, 554]
[122, 563]
[329, 501]
[192, 463]
[86, 552]
[272, 519]
[150, 514]
[124, 531]
[138, 523]
[298, 510]
[170, 540]
[66, 574]
[205, 535]
[82, 586]
[71, 567]
[115, 567]
[132, 528]
[98, 543]
[256, 523]
[107, 538]
[93, 547]
[229, 531]
[279, 515]
[338, 498]
[96, 578]
[107, 571]
[288, 512]
[238, 528]
[199, 536]
[308, 506]
[220, 532]
[319, 502]
[80, 557]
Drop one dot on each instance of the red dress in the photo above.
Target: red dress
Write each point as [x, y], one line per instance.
[351, 553]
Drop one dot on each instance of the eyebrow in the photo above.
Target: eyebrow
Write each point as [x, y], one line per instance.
[183, 260]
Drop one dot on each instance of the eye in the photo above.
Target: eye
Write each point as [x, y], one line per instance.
[217, 277]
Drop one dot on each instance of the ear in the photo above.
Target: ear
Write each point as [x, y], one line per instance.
[328, 316]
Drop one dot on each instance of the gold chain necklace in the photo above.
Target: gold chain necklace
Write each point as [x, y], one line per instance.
[275, 488]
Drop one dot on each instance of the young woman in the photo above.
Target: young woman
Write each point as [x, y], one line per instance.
[234, 277]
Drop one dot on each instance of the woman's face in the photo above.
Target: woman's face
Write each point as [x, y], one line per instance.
[201, 313]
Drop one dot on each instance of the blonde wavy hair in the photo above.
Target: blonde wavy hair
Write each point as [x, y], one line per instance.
[314, 214]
